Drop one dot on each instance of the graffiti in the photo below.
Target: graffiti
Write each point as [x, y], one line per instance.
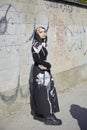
[4, 22]
[12, 38]
[70, 38]
[64, 7]
[9, 99]
[9, 27]
[51, 5]
[9, 48]
[73, 35]
[79, 38]
[77, 47]
[55, 21]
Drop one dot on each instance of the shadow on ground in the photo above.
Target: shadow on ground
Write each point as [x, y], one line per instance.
[80, 114]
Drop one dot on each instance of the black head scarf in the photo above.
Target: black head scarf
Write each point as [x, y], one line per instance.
[37, 37]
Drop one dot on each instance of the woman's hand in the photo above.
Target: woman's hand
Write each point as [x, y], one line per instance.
[42, 67]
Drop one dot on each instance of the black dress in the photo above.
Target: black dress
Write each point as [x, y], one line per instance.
[43, 97]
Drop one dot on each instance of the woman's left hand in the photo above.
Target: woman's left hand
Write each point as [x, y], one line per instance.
[42, 67]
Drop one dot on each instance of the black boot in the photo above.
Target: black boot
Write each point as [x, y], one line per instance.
[52, 120]
[39, 117]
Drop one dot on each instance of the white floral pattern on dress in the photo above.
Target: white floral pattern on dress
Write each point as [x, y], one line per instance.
[43, 79]
[39, 79]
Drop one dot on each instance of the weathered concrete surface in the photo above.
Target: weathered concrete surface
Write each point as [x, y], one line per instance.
[70, 78]
[75, 97]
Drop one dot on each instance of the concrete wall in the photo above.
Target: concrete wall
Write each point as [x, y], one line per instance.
[67, 46]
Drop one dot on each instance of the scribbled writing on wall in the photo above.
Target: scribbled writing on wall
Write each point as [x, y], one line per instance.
[9, 52]
[64, 7]
[12, 35]
[73, 36]
[4, 22]
[9, 27]
[79, 40]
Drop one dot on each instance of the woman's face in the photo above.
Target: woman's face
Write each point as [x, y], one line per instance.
[41, 32]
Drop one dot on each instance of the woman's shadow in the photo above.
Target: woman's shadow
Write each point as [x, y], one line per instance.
[80, 114]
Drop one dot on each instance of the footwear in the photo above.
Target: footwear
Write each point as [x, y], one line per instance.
[52, 120]
[32, 112]
[39, 117]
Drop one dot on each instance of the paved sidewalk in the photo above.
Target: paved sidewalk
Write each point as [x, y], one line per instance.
[73, 113]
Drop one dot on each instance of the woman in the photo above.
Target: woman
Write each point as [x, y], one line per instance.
[43, 97]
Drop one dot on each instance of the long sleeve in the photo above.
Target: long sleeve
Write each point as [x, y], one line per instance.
[39, 61]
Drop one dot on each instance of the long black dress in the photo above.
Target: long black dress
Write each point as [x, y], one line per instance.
[43, 97]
